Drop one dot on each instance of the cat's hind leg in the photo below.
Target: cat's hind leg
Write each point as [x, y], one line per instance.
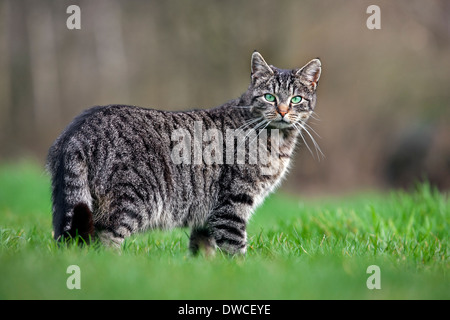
[124, 219]
[109, 238]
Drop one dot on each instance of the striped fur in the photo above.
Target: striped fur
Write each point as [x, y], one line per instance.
[113, 175]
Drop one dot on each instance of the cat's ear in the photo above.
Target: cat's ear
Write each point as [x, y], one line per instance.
[310, 73]
[260, 69]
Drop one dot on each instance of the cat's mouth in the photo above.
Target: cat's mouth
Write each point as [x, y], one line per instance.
[288, 122]
[282, 123]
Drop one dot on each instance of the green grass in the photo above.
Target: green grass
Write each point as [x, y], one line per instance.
[298, 249]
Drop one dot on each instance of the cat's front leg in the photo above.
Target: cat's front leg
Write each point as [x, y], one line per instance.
[228, 229]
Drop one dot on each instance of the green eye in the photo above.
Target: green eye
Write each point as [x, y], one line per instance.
[269, 97]
[296, 99]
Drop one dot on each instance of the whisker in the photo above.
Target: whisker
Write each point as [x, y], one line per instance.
[258, 125]
[301, 135]
[268, 122]
[315, 116]
[314, 131]
[242, 107]
[248, 123]
[316, 145]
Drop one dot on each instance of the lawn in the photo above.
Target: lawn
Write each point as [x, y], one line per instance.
[298, 249]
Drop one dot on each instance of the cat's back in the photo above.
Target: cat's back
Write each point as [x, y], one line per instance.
[105, 122]
[112, 116]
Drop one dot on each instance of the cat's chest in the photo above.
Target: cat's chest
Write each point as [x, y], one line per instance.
[274, 172]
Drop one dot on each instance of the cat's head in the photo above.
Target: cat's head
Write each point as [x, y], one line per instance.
[283, 97]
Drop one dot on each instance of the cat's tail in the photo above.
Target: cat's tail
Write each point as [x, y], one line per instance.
[82, 223]
[72, 201]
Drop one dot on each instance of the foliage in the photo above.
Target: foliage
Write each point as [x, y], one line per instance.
[298, 249]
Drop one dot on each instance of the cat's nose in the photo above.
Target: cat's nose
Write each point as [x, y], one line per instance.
[282, 109]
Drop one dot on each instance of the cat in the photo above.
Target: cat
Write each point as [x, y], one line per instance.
[113, 171]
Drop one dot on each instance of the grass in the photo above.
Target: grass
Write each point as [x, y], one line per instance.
[298, 249]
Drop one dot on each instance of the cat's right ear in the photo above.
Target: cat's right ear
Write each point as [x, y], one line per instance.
[260, 68]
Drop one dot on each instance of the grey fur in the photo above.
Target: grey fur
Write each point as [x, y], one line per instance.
[114, 164]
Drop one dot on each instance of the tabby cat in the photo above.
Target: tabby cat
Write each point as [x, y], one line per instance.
[113, 170]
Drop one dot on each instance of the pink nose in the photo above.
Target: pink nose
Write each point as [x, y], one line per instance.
[282, 109]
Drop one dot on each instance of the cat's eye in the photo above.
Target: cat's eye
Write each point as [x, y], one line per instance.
[269, 97]
[296, 99]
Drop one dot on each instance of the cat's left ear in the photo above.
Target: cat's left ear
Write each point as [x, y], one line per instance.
[310, 73]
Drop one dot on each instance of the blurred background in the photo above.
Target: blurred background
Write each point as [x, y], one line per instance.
[383, 98]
